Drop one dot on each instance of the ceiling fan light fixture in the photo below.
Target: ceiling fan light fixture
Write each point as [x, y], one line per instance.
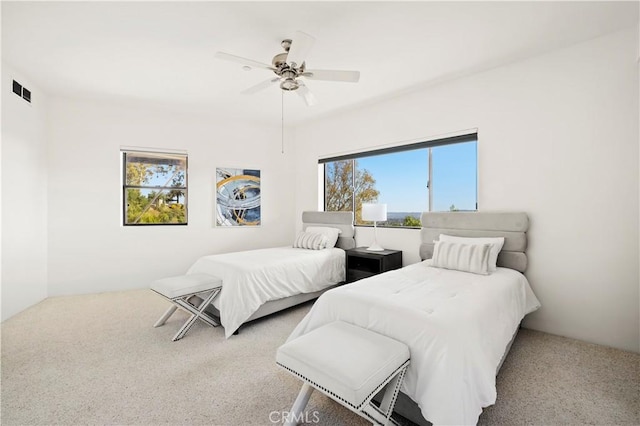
[289, 84]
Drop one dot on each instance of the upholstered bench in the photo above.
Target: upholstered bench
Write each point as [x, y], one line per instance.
[181, 290]
[349, 364]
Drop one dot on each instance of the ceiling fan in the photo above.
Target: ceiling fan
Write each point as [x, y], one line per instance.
[290, 68]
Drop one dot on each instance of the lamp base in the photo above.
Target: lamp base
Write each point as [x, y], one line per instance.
[375, 247]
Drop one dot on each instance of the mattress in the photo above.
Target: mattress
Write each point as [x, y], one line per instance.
[251, 278]
[456, 324]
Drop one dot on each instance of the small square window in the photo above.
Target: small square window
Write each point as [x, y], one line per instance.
[17, 88]
[26, 94]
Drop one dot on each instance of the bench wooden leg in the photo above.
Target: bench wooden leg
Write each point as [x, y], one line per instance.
[196, 313]
[391, 393]
[185, 327]
[165, 316]
[300, 403]
[382, 415]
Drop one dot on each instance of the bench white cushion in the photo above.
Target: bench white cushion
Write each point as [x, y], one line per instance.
[183, 285]
[344, 360]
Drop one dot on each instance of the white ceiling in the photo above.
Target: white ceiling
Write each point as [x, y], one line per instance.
[161, 53]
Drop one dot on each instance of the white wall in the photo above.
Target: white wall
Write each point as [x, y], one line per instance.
[558, 139]
[24, 195]
[89, 251]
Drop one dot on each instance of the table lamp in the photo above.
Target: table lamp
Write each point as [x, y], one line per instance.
[374, 213]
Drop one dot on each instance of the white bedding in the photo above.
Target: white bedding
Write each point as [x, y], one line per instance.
[251, 278]
[456, 324]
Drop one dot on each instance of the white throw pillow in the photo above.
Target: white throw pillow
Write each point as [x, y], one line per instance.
[496, 245]
[331, 233]
[311, 241]
[472, 258]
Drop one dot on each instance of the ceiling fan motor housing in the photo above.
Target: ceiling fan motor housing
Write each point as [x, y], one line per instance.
[280, 59]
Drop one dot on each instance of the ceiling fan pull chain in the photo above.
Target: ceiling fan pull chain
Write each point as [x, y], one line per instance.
[282, 141]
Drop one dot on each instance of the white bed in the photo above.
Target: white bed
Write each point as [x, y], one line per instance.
[259, 282]
[458, 325]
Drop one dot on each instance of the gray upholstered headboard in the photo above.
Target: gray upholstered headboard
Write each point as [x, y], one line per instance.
[511, 226]
[341, 220]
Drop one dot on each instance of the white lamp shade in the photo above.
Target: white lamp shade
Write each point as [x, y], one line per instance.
[374, 212]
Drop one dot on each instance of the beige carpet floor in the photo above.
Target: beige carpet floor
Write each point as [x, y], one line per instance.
[97, 360]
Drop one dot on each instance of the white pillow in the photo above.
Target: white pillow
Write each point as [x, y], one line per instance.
[496, 245]
[472, 258]
[331, 233]
[311, 241]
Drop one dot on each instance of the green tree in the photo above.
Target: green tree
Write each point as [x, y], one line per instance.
[453, 208]
[341, 186]
[175, 194]
[138, 173]
[411, 221]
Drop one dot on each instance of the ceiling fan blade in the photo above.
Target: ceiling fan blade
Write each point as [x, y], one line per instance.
[260, 86]
[300, 47]
[304, 92]
[241, 60]
[333, 75]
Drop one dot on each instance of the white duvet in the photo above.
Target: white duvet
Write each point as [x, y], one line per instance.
[456, 324]
[251, 278]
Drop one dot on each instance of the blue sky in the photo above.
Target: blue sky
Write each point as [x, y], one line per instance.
[402, 178]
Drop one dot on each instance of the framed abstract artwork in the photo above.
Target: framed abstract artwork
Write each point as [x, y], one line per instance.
[237, 197]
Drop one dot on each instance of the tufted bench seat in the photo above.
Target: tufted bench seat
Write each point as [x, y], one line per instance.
[181, 290]
[350, 364]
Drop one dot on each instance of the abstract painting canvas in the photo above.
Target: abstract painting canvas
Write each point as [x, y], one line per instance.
[237, 197]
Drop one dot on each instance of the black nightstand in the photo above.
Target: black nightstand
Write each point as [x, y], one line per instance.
[362, 263]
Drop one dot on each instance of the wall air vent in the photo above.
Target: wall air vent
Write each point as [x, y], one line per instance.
[21, 91]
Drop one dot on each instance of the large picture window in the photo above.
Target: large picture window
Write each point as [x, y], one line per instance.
[154, 188]
[438, 175]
